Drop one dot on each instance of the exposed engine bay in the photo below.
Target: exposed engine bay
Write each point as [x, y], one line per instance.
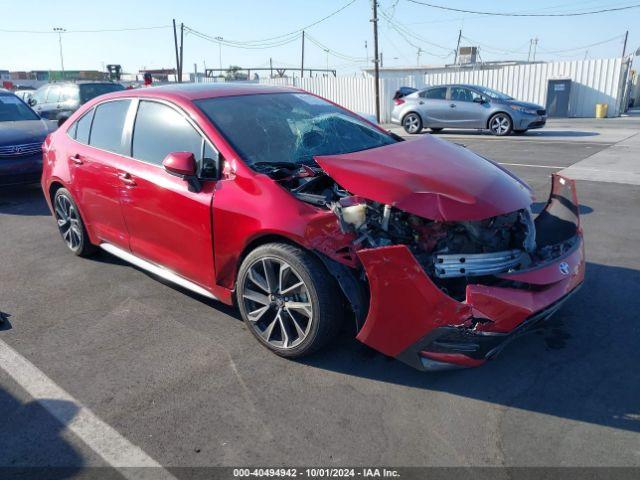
[453, 254]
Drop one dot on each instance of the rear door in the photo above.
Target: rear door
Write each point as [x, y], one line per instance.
[434, 106]
[464, 111]
[94, 158]
[169, 225]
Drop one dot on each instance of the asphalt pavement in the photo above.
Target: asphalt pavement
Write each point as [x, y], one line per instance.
[168, 377]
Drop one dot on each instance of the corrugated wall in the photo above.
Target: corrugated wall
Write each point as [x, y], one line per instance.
[593, 81]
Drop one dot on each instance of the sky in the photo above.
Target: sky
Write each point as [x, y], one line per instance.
[433, 31]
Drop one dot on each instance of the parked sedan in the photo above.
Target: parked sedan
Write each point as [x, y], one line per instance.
[466, 106]
[429, 251]
[21, 135]
[57, 101]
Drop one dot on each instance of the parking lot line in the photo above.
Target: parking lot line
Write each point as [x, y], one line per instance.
[530, 165]
[116, 450]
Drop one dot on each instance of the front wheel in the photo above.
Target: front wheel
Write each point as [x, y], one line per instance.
[500, 124]
[288, 300]
[412, 123]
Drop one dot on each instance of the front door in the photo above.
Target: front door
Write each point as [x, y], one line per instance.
[169, 225]
[466, 109]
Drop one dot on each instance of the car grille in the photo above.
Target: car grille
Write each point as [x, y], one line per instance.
[20, 150]
[542, 112]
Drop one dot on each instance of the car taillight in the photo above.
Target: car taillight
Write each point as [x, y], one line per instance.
[398, 101]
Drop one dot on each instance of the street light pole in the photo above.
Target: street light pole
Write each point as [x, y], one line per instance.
[219, 39]
[327, 51]
[60, 31]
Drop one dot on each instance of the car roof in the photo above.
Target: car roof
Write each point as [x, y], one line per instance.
[196, 91]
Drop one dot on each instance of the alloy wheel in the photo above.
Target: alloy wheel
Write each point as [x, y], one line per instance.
[277, 303]
[411, 123]
[500, 124]
[68, 222]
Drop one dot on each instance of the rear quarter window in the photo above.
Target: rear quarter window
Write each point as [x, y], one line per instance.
[81, 128]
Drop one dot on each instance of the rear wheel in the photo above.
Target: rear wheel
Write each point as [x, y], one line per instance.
[288, 300]
[500, 124]
[70, 224]
[412, 123]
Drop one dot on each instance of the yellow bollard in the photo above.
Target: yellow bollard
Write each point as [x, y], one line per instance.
[601, 110]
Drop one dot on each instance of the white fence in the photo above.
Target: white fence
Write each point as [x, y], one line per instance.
[593, 81]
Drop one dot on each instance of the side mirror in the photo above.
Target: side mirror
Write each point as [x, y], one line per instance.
[479, 100]
[32, 101]
[183, 165]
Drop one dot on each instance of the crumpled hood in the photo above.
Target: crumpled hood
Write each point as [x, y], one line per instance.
[431, 178]
[26, 131]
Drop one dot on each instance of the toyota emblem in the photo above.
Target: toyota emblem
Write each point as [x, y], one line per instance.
[564, 268]
[17, 149]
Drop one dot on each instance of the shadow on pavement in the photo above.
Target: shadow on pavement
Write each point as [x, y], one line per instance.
[27, 200]
[583, 365]
[31, 442]
[529, 133]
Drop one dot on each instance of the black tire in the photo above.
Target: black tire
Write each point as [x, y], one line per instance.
[73, 231]
[320, 292]
[412, 123]
[435, 130]
[500, 124]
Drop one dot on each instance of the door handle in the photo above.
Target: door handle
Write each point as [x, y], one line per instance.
[421, 102]
[76, 159]
[453, 105]
[126, 179]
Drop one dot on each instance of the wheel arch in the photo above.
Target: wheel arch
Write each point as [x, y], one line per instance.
[354, 292]
[496, 113]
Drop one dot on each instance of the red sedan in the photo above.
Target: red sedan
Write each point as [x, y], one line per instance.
[305, 215]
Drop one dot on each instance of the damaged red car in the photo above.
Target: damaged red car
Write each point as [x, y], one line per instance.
[306, 216]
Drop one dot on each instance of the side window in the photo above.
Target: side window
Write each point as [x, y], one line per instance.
[209, 168]
[68, 93]
[156, 121]
[54, 94]
[82, 128]
[462, 94]
[41, 94]
[436, 93]
[107, 128]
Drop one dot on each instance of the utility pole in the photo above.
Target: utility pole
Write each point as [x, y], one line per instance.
[418, 59]
[624, 46]
[327, 51]
[377, 59]
[455, 62]
[60, 31]
[175, 43]
[529, 54]
[302, 59]
[535, 47]
[219, 39]
[366, 52]
[270, 67]
[181, 50]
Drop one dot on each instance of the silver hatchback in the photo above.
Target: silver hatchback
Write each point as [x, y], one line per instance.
[466, 106]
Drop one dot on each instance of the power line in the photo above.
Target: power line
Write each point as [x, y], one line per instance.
[215, 40]
[295, 33]
[514, 14]
[335, 53]
[103, 30]
[584, 47]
